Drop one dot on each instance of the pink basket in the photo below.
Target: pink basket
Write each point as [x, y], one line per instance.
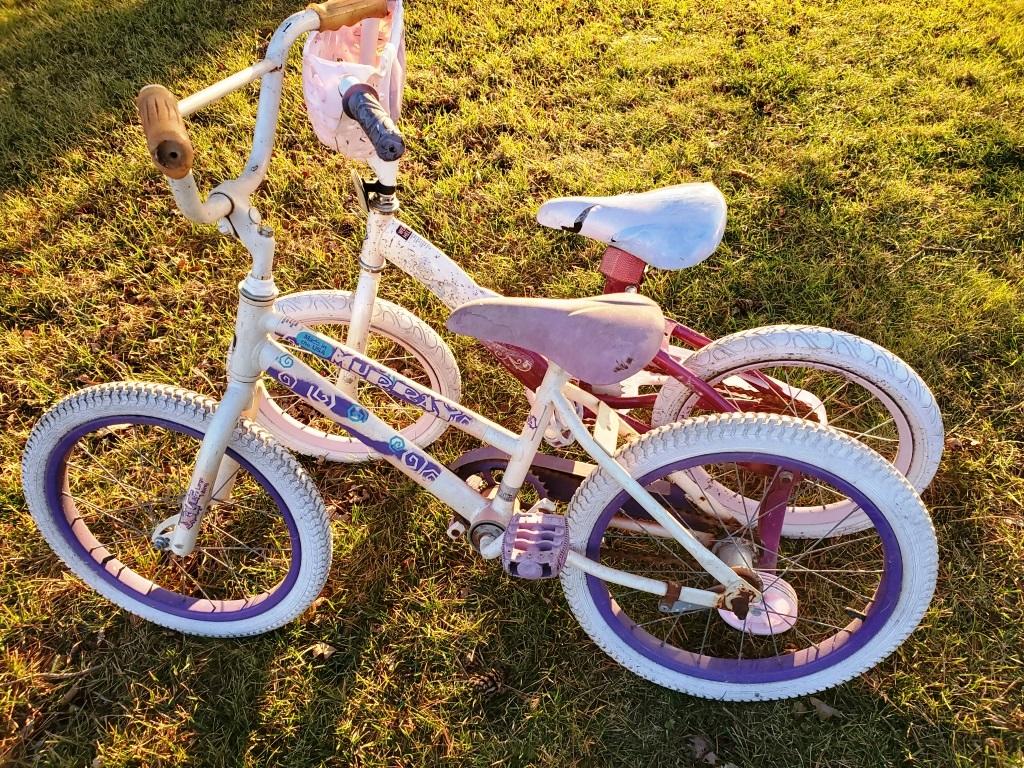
[373, 52]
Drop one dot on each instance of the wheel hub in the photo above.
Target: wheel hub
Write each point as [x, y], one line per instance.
[775, 613]
[161, 535]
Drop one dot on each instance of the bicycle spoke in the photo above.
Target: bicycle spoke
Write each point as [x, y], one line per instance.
[189, 576]
[131, 491]
[829, 575]
[771, 629]
[861, 435]
[655, 621]
[109, 514]
[106, 481]
[704, 639]
[227, 480]
[743, 636]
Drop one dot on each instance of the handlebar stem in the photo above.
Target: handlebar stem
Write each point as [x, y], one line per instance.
[386, 170]
[229, 205]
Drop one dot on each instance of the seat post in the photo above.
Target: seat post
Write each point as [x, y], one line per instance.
[541, 413]
[623, 271]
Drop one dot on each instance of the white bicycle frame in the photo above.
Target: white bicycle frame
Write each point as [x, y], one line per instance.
[254, 352]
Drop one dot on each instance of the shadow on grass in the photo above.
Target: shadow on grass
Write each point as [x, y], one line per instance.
[393, 688]
[210, 703]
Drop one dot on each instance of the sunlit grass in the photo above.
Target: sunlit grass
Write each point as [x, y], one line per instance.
[872, 155]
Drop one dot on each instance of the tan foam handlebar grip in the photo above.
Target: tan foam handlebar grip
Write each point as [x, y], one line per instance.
[335, 14]
[169, 144]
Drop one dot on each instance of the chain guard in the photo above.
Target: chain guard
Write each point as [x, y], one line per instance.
[550, 477]
[555, 478]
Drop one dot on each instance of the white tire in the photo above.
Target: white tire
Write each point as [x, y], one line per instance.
[95, 412]
[894, 384]
[390, 321]
[793, 440]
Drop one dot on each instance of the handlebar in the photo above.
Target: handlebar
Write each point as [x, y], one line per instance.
[361, 104]
[167, 138]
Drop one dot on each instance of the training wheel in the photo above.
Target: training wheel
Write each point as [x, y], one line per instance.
[780, 616]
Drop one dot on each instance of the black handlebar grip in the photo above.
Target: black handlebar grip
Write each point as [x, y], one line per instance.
[361, 104]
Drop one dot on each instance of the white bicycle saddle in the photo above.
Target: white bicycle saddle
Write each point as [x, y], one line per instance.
[669, 228]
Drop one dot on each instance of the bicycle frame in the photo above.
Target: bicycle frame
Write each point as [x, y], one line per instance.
[254, 352]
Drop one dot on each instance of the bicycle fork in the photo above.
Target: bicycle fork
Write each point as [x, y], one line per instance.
[214, 473]
[371, 264]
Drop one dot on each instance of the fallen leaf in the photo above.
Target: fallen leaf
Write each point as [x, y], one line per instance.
[700, 748]
[957, 444]
[823, 710]
[70, 694]
[321, 651]
[357, 494]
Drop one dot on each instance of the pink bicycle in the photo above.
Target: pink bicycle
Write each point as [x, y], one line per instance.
[828, 376]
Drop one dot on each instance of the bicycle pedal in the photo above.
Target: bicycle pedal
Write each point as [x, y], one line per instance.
[535, 546]
[558, 438]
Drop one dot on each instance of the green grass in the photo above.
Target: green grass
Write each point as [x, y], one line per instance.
[873, 158]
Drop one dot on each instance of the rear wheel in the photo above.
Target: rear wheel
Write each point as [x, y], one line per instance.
[826, 376]
[833, 607]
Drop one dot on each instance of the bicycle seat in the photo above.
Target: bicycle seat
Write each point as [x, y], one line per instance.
[669, 228]
[599, 340]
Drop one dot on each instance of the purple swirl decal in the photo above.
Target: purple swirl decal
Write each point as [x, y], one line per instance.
[342, 408]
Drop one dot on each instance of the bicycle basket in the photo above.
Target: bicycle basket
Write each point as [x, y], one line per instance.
[373, 52]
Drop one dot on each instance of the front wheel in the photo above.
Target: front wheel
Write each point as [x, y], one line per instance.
[833, 606]
[105, 470]
[398, 339]
[827, 376]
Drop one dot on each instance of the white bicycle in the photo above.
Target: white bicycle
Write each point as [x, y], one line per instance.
[181, 510]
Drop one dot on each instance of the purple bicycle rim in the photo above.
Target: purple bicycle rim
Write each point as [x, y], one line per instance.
[160, 599]
[753, 671]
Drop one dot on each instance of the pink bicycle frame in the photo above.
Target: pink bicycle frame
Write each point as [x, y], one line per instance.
[398, 243]
[529, 368]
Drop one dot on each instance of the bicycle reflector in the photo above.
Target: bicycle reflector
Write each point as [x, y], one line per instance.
[372, 52]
